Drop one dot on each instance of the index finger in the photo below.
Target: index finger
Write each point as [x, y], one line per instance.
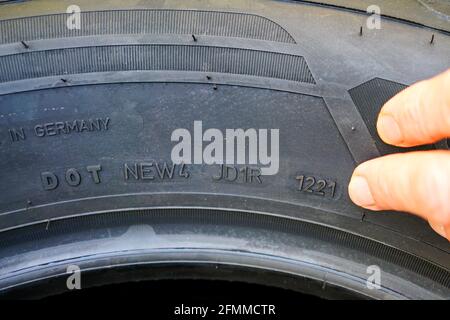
[417, 115]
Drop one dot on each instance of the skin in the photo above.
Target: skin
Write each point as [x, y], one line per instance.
[415, 182]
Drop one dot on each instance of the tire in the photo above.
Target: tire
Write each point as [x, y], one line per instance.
[104, 135]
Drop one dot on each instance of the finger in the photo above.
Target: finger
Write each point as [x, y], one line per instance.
[417, 115]
[441, 229]
[416, 182]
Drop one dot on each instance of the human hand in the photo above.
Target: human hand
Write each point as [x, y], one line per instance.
[415, 182]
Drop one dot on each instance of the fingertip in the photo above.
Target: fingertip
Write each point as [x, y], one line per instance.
[389, 130]
[418, 114]
[439, 229]
[360, 193]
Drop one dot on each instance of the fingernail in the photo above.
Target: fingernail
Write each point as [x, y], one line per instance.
[389, 130]
[360, 192]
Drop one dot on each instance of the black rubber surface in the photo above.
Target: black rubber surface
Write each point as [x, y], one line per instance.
[155, 57]
[157, 21]
[89, 120]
